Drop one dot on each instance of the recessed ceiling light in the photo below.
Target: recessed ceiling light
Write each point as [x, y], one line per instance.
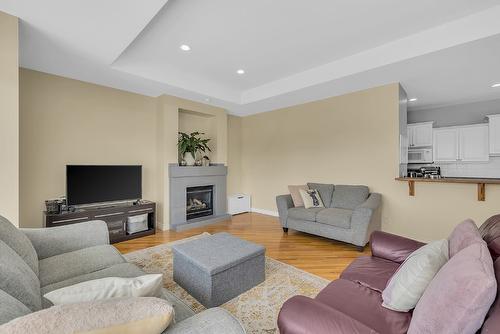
[240, 71]
[495, 85]
[185, 47]
[412, 99]
[207, 99]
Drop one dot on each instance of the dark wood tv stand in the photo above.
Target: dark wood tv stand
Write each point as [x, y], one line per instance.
[115, 216]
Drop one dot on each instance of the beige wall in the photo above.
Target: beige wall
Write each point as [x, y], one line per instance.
[234, 154]
[351, 139]
[66, 121]
[9, 118]
[191, 121]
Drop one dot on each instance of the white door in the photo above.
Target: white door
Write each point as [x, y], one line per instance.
[445, 145]
[494, 130]
[410, 135]
[474, 143]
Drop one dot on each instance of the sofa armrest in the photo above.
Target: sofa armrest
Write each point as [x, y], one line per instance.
[284, 202]
[212, 321]
[392, 247]
[303, 315]
[53, 241]
[366, 218]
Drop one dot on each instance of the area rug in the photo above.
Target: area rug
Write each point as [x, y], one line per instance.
[257, 308]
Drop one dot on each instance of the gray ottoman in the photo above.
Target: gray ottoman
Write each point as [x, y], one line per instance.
[218, 268]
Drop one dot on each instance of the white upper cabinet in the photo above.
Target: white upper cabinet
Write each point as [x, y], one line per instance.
[494, 129]
[420, 134]
[474, 143]
[462, 143]
[445, 145]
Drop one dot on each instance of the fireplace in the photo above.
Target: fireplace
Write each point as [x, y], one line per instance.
[199, 202]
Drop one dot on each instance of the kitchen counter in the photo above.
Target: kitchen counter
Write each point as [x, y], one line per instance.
[481, 183]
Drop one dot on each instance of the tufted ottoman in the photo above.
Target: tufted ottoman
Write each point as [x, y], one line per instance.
[218, 268]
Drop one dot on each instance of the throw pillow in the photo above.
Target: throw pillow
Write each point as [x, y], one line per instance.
[325, 191]
[459, 297]
[108, 287]
[311, 198]
[409, 282]
[143, 315]
[295, 192]
[463, 235]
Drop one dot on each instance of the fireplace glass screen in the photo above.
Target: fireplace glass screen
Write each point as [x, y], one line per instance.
[199, 202]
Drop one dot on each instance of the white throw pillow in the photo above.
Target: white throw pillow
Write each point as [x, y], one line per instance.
[106, 288]
[311, 198]
[144, 315]
[408, 284]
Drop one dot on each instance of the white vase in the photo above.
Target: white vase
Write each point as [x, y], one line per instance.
[189, 159]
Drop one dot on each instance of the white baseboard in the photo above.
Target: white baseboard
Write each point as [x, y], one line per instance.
[266, 212]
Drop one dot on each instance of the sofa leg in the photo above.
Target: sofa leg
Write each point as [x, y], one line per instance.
[285, 229]
[360, 248]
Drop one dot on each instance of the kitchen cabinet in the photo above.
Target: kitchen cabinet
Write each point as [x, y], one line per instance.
[420, 134]
[445, 145]
[494, 134]
[461, 144]
[474, 143]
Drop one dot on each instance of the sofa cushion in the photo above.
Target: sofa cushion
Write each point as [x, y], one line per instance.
[212, 321]
[462, 236]
[335, 217]
[490, 232]
[19, 242]
[349, 197]
[325, 191]
[11, 308]
[64, 266]
[302, 213]
[408, 284]
[364, 305]
[370, 271]
[17, 279]
[460, 295]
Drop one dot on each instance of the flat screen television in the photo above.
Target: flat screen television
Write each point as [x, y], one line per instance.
[95, 184]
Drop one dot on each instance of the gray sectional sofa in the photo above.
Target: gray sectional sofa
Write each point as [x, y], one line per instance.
[351, 213]
[36, 261]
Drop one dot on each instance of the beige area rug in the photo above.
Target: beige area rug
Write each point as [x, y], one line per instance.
[257, 308]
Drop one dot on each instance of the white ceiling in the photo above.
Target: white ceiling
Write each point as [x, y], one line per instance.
[443, 52]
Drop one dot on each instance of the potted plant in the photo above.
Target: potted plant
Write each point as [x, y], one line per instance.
[191, 144]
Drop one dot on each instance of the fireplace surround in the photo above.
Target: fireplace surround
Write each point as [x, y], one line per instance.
[197, 195]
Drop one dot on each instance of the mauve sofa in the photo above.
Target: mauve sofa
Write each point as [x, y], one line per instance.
[352, 304]
[36, 261]
[351, 213]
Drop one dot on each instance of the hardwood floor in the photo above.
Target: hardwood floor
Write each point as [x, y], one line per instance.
[319, 256]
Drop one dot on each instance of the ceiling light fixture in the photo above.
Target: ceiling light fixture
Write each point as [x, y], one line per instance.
[495, 85]
[240, 71]
[185, 47]
[412, 99]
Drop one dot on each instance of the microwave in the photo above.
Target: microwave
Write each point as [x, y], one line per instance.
[421, 155]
